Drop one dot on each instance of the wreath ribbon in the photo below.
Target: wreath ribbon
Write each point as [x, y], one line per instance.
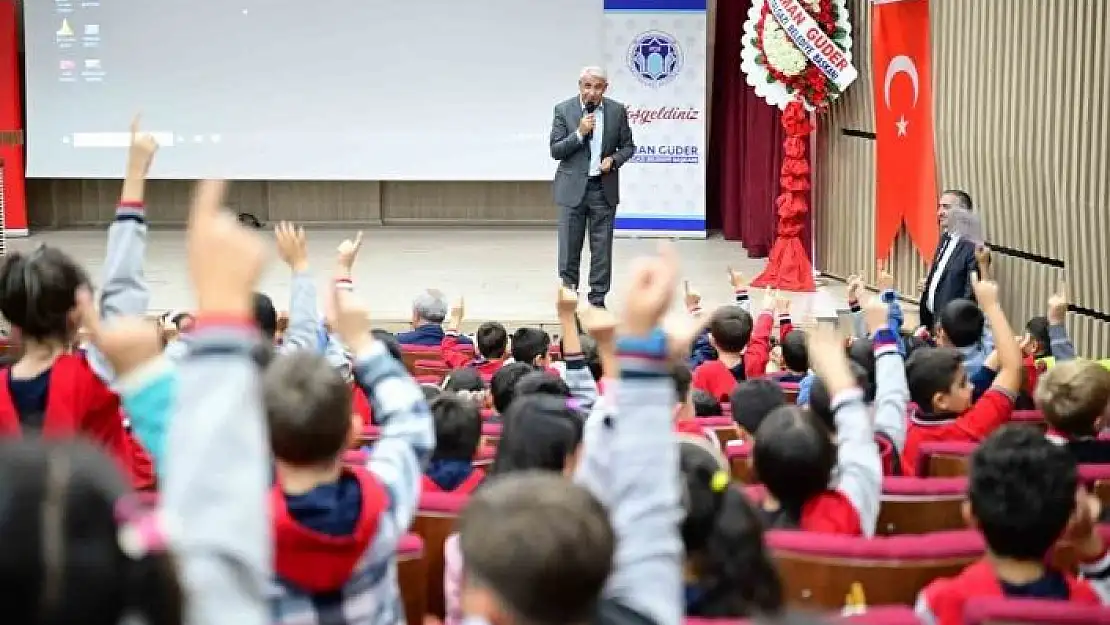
[806, 33]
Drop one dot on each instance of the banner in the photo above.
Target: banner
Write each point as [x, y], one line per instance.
[806, 33]
[11, 125]
[905, 158]
[655, 54]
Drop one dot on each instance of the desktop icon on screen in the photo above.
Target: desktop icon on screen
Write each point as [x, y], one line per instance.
[66, 65]
[65, 30]
[92, 63]
[92, 30]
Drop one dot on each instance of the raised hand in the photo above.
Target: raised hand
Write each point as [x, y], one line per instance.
[348, 251]
[1058, 305]
[650, 290]
[127, 343]
[691, 298]
[225, 260]
[884, 279]
[142, 149]
[352, 321]
[566, 303]
[292, 245]
[855, 287]
[827, 358]
[736, 279]
[875, 314]
[599, 323]
[986, 291]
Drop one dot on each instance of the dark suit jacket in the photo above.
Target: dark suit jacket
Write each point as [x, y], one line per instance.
[955, 282]
[574, 154]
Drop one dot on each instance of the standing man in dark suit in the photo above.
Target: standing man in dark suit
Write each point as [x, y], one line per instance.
[591, 139]
[949, 276]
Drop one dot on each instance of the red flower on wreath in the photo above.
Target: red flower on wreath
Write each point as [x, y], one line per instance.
[811, 84]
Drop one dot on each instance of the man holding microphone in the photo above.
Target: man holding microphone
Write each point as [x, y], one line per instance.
[591, 139]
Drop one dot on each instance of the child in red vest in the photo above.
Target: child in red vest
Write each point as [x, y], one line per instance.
[940, 386]
[458, 426]
[1023, 499]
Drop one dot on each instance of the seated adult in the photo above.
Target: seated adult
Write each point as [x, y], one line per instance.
[429, 310]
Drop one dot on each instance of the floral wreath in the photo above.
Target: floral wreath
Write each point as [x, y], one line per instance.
[779, 71]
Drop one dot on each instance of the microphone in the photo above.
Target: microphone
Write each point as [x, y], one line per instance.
[590, 108]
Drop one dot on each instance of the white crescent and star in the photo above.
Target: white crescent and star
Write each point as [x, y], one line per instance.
[901, 64]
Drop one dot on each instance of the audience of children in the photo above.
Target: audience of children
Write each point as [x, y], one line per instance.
[594, 508]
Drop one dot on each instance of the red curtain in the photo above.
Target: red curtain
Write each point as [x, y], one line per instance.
[745, 145]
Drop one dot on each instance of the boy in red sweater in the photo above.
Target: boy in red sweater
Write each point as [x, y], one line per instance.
[491, 339]
[743, 347]
[1023, 497]
[940, 386]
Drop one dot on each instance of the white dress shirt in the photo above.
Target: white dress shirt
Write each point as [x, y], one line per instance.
[942, 264]
[595, 139]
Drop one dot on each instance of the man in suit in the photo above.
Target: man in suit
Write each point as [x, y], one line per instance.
[591, 139]
[949, 276]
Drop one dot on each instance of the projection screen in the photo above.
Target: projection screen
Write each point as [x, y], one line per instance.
[295, 90]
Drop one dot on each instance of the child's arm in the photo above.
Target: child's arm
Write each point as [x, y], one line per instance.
[892, 393]
[889, 296]
[407, 432]
[1061, 346]
[583, 386]
[602, 326]
[124, 291]
[758, 351]
[304, 314]
[739, 288]
[996, 405]
[1082, 534]
[855, 290]
[449, 346]
[217, 479]
[782, 315]
[642, 495]
[859, 467]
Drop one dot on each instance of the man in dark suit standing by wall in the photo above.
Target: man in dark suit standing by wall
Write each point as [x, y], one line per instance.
[591, 139]
[949, 276]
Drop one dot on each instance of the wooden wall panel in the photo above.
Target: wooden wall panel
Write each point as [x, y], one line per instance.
[1022, 124]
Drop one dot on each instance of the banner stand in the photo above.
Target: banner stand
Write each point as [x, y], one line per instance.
[655, 54]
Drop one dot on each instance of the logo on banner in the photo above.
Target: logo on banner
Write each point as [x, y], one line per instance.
[655, 58]
[664, 153]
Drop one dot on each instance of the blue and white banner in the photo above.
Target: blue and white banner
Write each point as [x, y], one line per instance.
[655, 52]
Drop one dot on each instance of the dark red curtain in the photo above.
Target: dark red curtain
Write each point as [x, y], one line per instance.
[745, 145]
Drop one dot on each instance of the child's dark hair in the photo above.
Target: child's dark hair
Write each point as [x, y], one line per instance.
[265, 315]
[502, 386]
[542, 383]
[731, 328]
[1037, 327]
[723, 536]
[752, 400]
[458, 427]
[38, 292]
[705, 404]
[794, 457]
[820, 402]
[431, 391]
[464, 379]
[540, 432]
[308, 408]
[962, 322]
[392, 345]
[930, 371]
[862, 352]
[795, 355]
[1022, 491]
[682, 380]
[590, 353]
[60, 506]
[555, 580]
[529, 344]
[491, 340]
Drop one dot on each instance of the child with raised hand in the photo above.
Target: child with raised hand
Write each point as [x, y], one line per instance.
[214, 511]
[53, 389]
[795, 457]
[491, 341]
[743, 347]
[940, 386]
[620, 567]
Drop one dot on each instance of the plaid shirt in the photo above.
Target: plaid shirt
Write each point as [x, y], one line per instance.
[371, 595]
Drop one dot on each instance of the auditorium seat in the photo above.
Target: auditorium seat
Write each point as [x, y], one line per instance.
[912, 505]
[1033, 612]
[435, 521]
[877, 615]
[944, 458]
[434, 380]
[818, 570]
[436, 369]
[412, 572]
[724, 428]
[1029, 417]
[491, 433]
[790, 391]
[739, 455]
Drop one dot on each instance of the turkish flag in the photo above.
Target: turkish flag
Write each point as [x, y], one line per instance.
[11, 123]
[905, 158]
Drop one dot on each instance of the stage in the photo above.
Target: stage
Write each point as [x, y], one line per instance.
[505, 274]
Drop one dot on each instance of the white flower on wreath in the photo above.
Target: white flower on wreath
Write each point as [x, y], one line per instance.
[779, 48]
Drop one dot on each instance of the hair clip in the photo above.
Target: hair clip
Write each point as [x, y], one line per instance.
[719, 481]
[141, 526]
